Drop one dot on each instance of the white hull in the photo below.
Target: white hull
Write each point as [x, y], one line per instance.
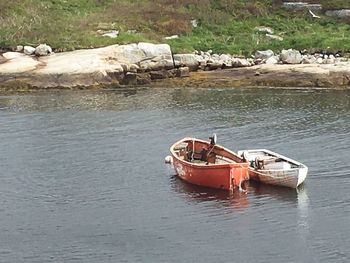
[283, 172]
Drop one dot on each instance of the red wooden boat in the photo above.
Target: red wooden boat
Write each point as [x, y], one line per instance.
[207, 164]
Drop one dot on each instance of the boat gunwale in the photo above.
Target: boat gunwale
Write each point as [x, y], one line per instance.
[301, 165]
[210, 165]
[278, 170]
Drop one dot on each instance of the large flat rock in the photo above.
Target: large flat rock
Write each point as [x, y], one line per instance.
[90, 67]
[305, 76]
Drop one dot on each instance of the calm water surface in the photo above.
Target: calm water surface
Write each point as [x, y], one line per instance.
[83, 178]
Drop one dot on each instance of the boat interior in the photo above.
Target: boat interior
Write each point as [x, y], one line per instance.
[204, 153]
[267, 161]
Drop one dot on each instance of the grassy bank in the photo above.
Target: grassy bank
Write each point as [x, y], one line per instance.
[223, 25]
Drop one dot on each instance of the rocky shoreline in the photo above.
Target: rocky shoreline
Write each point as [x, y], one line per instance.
[281, 76]
[146, 64]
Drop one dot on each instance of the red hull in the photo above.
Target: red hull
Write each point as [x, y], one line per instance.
[225, 175]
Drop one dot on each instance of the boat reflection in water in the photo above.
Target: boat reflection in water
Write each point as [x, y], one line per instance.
[278, 192]
[242, 200]
[201, 194]
[297, 197]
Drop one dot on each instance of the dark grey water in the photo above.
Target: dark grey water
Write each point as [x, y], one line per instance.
[82, 177]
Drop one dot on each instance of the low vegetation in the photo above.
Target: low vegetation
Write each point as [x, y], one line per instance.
[223, 25]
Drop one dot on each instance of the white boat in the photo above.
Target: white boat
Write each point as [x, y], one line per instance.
[272, 168]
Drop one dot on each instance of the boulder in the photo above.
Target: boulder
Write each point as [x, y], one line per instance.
[171, 37]
[111, 34]
[342, 13]
[272, 60]
[135, 53]
[215, 64]
[15, 62]
[225, 60]
[215, 56]
[154, 50]
[290, 56]
[258, 61]
[319, 60]
[28, 50]
[143, 79]
[186, 60]
[295, 5]
[157, 63]
[225, 57]
[159, 74]
[19, 48]
[264, 54]
[172, 73]
[314, 7]
[240, 62]
[130, 78]
[12, 55]
[308, 59]
[183, 72]
[251, 61]
[128, 53]
[43, 50]
[264, 29]
[301, 6]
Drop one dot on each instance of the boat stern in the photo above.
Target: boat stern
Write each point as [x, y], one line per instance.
[239, 173]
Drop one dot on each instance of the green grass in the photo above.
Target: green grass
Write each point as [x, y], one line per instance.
[225, 26]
